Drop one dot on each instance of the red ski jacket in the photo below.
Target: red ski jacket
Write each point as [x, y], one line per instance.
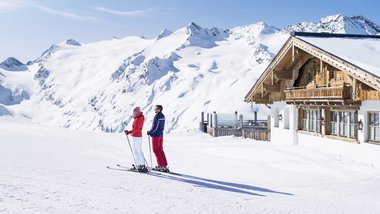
[137, 126]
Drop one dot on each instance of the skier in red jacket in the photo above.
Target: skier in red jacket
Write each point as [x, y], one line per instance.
[136, 134]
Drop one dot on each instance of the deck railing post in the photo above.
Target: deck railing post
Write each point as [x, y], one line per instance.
[236, 120]
[241, 121]
[215, 120]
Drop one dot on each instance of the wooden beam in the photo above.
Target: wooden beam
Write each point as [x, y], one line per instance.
[284, 75]
[321, 71]
[293, 53]
[299, 61]
[327, 73]
[262, 101]
[272, 76]
[255, 96]
[272, 88]
[354, 89]
[258, 98]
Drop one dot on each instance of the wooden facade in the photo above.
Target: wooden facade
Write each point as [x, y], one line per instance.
[327, 90]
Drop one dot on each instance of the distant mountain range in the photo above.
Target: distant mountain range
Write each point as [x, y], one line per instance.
[13, 64]
[95, 86]
[338, 24]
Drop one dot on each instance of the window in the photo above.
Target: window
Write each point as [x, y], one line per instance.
[304, 119]
[318, 121]
[343, 123]
[334, 122]
[352, 125]
[374, 130]
[311, 120]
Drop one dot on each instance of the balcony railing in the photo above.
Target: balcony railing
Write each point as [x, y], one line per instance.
[339, 93]
[368, 95]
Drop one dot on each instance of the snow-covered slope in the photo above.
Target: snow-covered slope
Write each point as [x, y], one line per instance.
[54, 170]
[95, 86]
[14, 84]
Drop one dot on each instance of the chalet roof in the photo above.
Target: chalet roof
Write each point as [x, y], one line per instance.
[362, 51]
[358, 55]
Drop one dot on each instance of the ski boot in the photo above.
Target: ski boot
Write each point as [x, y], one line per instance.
[134, 168]
[163, 169]
[142, 168]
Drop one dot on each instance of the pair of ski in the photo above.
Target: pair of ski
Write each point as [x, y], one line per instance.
[130, 169]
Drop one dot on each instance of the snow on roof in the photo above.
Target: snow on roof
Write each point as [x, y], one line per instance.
[361, 51]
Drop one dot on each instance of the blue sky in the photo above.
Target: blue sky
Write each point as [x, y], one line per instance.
[28, 27]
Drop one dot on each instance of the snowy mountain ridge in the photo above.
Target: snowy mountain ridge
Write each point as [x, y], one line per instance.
[338, 24]
[95, 86]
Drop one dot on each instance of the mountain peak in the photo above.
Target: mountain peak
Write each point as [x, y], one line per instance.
[193, 25]
[71, 42]
[350, 25]
[164, 33]
[257, 28]
[251, 33]
[13, 64]
[203, 37]
[366, 23]
[338, 23]
[193, 29]
[46, 54]
[333, 18]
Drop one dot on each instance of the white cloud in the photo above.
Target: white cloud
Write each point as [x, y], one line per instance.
[133, 13]
[68, 14]
[9, 5]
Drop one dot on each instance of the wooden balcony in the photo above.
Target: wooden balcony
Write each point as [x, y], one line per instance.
[327, 93]
[368, 95]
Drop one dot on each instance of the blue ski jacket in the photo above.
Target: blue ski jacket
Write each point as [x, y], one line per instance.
[158, 125]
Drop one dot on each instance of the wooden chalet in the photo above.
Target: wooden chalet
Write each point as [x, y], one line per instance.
[323, 85]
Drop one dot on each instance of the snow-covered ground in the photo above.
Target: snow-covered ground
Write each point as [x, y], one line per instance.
[54, 170]
[46, 169]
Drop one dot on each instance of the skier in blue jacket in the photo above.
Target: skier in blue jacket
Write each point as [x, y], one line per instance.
[157, 133]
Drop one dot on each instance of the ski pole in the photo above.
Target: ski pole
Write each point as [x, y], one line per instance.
[129, 143]
[150, 153]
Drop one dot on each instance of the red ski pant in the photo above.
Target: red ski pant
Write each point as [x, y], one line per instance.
[158, 150]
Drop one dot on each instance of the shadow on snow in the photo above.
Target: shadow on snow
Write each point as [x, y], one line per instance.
[215, 184]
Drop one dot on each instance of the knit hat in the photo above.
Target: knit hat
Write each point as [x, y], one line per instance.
[137, 110]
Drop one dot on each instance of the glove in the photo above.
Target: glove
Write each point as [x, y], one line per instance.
[126, 132]
[148, 133]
